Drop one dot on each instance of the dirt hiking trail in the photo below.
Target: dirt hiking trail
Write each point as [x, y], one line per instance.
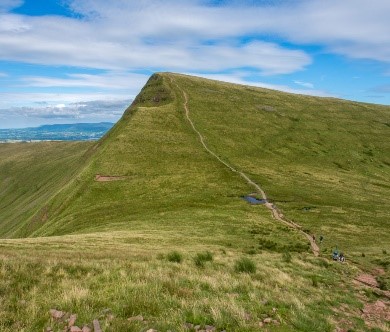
[370, 281]
[274, 210]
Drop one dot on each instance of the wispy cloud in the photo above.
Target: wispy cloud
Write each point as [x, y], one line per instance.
[124, 35]
[109, 80]
[180, 35]
[103, 109]
[305, 84]
[11, 100]
[385, 88]
[238, 78]
[351, 27]
[6, 5]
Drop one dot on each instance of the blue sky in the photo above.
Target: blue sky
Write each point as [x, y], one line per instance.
[64, 61]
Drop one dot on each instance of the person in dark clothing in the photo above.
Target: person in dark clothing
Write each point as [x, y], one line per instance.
[335, 254]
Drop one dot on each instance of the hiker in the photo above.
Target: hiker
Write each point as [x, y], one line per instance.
[335, 254]
[314, 238]
[321, 238]
[341, 257]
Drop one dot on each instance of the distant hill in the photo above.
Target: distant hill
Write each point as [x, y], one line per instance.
[57, 132]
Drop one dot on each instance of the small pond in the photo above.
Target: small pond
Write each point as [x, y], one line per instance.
[254, 200]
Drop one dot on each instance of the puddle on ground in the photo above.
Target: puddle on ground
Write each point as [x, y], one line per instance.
[254, 200]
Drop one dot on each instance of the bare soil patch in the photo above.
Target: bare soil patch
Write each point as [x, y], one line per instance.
[368, 280]
[107, 178]
[375, 314]
[379, 311]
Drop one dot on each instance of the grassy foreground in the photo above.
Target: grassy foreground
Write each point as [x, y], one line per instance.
[118, 275]
[169, 238]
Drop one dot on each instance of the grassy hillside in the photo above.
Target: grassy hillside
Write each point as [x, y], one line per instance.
[154, 225]
[30, 174]
[329, 156]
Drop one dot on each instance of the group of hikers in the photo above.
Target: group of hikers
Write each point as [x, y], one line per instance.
[336, 254]
[321, 238]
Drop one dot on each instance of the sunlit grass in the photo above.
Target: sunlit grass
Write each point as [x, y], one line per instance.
[94, 274]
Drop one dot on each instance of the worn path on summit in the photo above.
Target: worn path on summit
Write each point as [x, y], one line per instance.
[274, 210]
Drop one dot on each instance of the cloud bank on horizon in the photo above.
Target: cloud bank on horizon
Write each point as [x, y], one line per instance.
[100, 53]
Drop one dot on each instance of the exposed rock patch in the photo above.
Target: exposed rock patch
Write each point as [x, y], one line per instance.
[69, 321]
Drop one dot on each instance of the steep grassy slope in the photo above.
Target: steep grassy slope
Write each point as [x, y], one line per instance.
[30, 174]
[111, 251]
[166, 182]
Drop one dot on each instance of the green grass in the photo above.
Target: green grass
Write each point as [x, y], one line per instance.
[175, 257]
[326, 154]
[323, 161]
[115, 245]
[245, 265]
[202, 258]
[30, 174]
[122, 273]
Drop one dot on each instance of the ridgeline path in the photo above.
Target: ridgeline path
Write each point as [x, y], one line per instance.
[274, 210]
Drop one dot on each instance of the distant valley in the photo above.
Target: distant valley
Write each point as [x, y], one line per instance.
[56, 132]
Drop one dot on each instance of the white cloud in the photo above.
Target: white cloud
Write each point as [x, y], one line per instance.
[305, 84]
[6, 5]
[355, 28]
[110, 80]
[11, 100]
[125, 35]
[239, 78]
[97, 109]
[189, 35]
[13, 25]
[44, 113]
